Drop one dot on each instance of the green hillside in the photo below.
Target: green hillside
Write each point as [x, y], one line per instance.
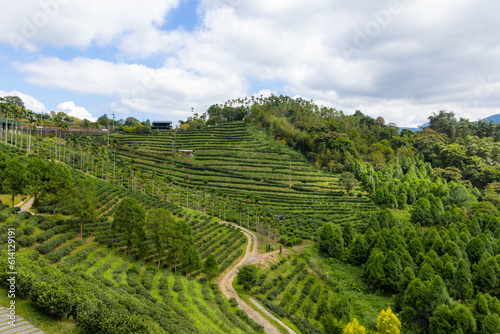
[240, 162]
[169, 302]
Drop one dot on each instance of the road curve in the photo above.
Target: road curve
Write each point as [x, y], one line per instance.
[225, 283]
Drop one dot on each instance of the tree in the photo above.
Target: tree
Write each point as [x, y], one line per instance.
[158, 225]
[374, 270]
[438, 294]
[84, 202]
[388, 323]
[462, 281]
[441, 321]
[37, 176]
[415, 306]
[358, 251]
[348, 233]
[354, 327]
[14, 176]
[211, 268]
[393, 270]
[463, 319]
[331, 325]
[193, 260]
[348, 181]
[247, 276]
[129, 218]
[487, 275]
[15, 100]
[59, 184]
[330, 240]
[181, 237]
[491, 324]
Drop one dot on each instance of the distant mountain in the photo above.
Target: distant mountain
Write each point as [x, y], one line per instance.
[405, 127]
[494, 118]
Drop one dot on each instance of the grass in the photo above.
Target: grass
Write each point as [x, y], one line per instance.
[28, 310]
[7, 199]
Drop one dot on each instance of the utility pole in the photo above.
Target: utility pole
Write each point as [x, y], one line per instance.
[113, 121]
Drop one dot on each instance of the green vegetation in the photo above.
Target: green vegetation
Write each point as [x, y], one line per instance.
[403, 228]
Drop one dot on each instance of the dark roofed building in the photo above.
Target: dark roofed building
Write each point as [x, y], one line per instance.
[161, 125]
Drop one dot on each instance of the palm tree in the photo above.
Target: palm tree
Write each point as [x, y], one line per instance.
[95, 152]
[212, 193]
[256, 202]
[153, 177]
[205, 183]
[198, 190]
[240, 208]
[224, 198]
[104, 154]
[51, 137]
[220, 194]
[64, 126]
[268, 226]
[248, 200]
[187, 190]
[114, 142]
[88, 145]
[132, 163]
[170, 183]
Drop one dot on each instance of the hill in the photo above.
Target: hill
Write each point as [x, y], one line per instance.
[493, 118]
[244, 164]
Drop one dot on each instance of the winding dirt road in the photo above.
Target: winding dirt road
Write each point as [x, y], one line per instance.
[225, 283]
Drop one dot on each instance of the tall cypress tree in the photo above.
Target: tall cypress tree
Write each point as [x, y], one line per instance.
[462, 281]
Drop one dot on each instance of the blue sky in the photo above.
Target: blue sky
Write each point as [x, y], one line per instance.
[402, 60]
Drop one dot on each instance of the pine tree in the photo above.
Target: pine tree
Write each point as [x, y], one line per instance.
[129, 218]
[441, 320]
[354, 327]
[491, 324]
[438, 294]
[388, 323]
[488, 273]
[462, 281]
[358, 251]
[393, 270]
[426, 273]
[374, 270]
[463, 319]
[211, 268]
[416, 305]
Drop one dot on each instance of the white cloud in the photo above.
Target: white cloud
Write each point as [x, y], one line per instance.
[71, 109]
[401, 61]
[168, 91]
[62, 23]
[29, 101]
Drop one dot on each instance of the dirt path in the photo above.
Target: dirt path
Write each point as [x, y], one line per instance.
[26, 205]
[225, 283]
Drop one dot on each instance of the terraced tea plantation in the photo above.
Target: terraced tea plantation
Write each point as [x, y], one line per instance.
[165, 301]
[244, 165]
[292, 291]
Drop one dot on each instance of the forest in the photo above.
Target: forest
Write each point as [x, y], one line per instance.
[411, 216]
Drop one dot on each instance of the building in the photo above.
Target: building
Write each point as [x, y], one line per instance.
[186, 153]
[161, 125]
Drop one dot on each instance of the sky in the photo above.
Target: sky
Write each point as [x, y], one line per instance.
[403, 60]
